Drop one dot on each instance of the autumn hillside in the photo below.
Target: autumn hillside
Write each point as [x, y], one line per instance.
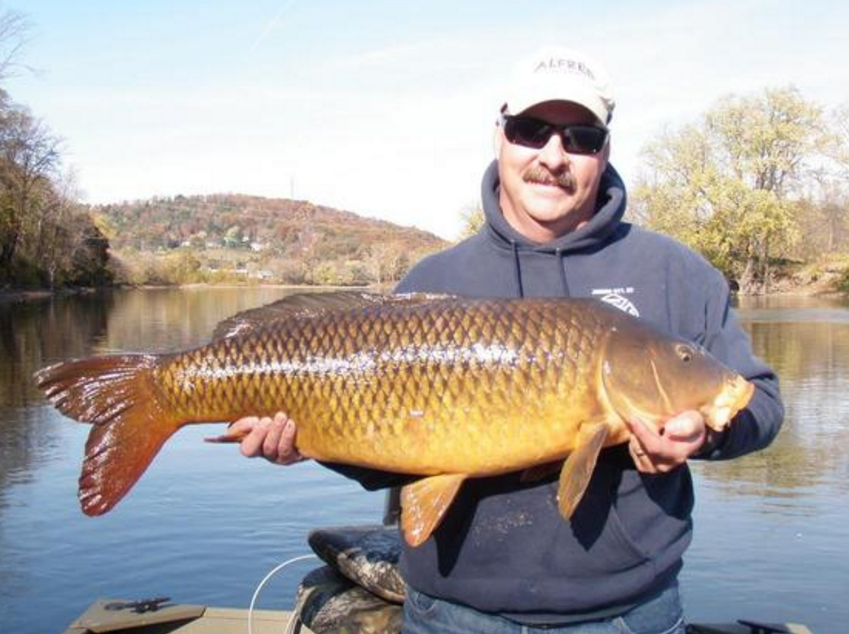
[231, 237]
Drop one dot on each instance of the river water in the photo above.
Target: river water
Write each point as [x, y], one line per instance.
[205, 525]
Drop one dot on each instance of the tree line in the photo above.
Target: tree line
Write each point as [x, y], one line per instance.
[758, 184]
[46, 238]
[223, 238]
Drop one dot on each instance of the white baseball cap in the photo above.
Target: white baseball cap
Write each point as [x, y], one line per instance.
[560, 74]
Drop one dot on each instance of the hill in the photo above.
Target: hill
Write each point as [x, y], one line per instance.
[231, 237]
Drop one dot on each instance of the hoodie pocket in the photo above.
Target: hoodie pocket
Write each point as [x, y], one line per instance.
[610, 551]
[605, 543]
[626, 543]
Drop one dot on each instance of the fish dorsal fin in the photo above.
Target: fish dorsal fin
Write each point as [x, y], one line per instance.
[301, 304]
[579, 466]
[424, 503]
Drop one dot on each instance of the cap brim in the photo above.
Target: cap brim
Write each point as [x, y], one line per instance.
[577, 92]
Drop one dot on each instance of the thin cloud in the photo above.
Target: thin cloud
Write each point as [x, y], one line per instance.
[271, 25]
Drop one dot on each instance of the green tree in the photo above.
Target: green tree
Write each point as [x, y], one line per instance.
[473, 220]
[29, 159]
[233, 236]
[726, 185]
[387, 262]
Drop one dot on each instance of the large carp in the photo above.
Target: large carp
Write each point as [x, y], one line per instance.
[433, 385]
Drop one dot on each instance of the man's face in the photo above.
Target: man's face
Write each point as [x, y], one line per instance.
[538, 197]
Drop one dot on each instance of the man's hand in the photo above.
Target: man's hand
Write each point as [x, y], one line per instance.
[271, 438]
[653, 452]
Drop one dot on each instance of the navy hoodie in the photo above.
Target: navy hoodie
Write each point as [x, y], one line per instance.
[503, 547]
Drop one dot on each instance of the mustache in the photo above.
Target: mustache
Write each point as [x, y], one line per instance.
[540, 175]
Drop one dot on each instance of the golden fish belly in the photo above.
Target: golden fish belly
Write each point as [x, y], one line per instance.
[448, 387]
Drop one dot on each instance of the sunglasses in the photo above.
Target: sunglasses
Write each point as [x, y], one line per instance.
[577, 138]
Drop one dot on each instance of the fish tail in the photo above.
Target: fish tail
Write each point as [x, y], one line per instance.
[118, 395]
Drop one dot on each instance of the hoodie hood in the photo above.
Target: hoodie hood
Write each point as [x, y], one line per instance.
[610, 208]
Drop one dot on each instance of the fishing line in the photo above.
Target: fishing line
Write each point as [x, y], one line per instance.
[265, 580]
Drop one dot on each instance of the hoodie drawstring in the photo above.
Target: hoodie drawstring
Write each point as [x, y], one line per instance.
[561, 266]
[517, 268]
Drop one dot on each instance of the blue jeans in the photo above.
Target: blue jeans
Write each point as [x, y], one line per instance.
[424, 614]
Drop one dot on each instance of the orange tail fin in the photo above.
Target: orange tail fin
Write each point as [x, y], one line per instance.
[119, 397]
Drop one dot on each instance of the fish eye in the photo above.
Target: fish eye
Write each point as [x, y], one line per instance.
[685, 353]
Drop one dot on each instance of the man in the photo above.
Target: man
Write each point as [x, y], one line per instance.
[504, 560]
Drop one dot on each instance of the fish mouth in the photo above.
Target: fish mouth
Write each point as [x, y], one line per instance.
[732, 399]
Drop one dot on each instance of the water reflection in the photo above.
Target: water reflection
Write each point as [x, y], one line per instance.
[807, 342]
[165, 320]
[33, 334]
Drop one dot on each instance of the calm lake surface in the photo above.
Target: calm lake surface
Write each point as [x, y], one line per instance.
[205, 525]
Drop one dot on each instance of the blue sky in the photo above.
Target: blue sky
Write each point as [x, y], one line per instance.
[382, 108]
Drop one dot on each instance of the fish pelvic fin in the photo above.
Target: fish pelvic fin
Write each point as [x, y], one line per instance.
[424, 503]
[578, 468]
[119, 397]
[540, 472]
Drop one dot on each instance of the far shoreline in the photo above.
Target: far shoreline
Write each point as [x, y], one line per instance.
[22, 295]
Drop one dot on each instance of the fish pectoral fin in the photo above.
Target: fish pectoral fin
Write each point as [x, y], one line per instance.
[423, 505]
[578, 468]
[540, 471]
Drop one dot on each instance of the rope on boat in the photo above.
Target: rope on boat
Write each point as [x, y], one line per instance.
[274, 571]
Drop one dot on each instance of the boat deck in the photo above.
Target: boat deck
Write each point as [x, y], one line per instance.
[108, 616]
[181, 619]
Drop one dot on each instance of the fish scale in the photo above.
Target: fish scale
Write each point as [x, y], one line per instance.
[365, 387]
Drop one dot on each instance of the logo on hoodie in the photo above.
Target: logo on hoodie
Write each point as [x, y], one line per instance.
[616, 297]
